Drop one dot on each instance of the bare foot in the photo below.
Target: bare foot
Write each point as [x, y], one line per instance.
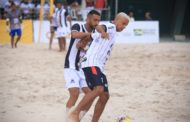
[74, 117]
[15, 45]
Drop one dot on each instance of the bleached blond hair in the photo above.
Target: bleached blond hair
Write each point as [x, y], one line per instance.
[124, 15]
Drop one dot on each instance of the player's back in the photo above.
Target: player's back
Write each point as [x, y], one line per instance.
[100, 48]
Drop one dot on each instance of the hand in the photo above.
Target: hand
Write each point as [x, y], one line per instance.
[105, 35]
[69, 18]
[8, 29]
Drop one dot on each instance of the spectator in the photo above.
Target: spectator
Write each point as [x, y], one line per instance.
[75, 11]
[31, 8]
[87, 6]
[1, 10]
[100, 4]
[90, 3]
[131, 15]
[45, 10]
[148, 16]
[25, 9]
[8, 6]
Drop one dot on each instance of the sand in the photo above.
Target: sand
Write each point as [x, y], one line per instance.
[148, 82]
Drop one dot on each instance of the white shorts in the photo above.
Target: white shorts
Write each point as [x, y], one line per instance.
[62, 32]
[74, 78]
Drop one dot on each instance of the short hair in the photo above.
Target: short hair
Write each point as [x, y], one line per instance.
[58, 1]
[93, 12]
[122, 14]
[12, 4]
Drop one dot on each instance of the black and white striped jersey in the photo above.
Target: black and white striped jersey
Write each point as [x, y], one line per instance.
[60, 17]
[74, 54]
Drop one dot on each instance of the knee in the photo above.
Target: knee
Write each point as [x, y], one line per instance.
[99, 90]
[105, 97]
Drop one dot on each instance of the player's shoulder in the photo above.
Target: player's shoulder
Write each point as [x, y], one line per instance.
[55, 9]
[76, 27]
[110, 27]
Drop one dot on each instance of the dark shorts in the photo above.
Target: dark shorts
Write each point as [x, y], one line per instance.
[15, 31]
[94, 77]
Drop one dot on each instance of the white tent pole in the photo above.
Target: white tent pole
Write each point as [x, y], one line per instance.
[116, 7]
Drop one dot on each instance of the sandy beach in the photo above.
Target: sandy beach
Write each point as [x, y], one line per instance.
[148, 82]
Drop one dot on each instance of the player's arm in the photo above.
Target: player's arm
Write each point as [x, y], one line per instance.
[83, 42]
[75, 32]
[103, 30]
[68, 17]
[7, 23]
[79, 35]
[20, 18]
[50, 19]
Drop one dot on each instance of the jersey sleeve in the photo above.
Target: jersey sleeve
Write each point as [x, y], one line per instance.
[110, 28]
[75, 27]
[66, 13]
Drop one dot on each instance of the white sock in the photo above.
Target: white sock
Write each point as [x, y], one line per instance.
[81, 115]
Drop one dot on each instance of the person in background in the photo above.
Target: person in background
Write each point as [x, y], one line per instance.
[75, 11]
[148, 16]
[131, 15]
[87, 5]
[53, 28]
[7, 7]
[31, 8]
[25, 9]
[100, 5]
[61, 17]
[13, 22]
[46, 10]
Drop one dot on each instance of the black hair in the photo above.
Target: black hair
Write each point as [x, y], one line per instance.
[58, 1]
[12, 4]
[93, 12]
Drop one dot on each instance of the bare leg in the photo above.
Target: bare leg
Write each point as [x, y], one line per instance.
[64, 44]
[17, 40]
[86, 90]
[12, 42]
[51, 40]
[87, 107]
[88, 98]
[60, 44]
[74, 93]
[100, 105]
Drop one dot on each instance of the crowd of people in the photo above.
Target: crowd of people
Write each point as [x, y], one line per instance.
[30, 9]
[78, 9]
